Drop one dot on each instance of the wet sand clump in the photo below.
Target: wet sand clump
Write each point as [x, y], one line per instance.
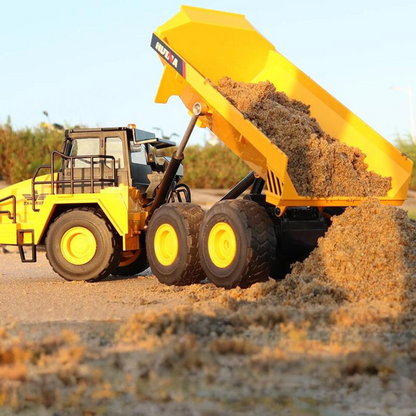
[319, 165]
[369, 253]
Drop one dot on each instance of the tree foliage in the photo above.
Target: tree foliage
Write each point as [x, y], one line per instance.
[213, 167]
[23, 150]
[406, 145]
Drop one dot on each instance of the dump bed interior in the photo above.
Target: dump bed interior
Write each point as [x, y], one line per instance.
[198, 47]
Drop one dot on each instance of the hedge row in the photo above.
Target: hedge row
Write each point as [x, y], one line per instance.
[22, 151]
[406, 145]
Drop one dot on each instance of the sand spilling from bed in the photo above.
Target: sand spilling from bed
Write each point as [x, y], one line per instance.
[319, 165]
[368, 253]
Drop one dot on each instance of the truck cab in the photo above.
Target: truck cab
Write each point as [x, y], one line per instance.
[95, 158]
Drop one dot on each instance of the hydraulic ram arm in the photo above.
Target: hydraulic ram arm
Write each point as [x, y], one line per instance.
[177, 157]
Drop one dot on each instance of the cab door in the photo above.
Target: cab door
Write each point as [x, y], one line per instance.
[89, 162]
[115, 145]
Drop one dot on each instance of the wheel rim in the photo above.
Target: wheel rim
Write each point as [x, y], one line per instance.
[222, 245]
[78, 245]
[166, 245]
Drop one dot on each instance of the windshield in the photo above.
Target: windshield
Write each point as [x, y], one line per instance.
[137, 153]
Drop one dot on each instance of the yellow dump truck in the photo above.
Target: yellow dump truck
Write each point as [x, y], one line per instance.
[110, 204]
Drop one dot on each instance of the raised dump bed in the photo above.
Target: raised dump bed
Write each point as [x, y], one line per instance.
[198, 47]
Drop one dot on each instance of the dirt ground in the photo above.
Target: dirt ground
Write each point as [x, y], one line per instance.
[133, 346]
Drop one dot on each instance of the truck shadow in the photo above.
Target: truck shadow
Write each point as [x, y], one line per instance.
[112, 278]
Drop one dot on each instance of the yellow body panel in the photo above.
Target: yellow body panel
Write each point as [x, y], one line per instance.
[120, 205]
[8, 233]
[216, 44]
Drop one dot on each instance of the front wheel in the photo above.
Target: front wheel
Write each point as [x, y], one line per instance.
[82, 245]
[237, 243]
[172, 243]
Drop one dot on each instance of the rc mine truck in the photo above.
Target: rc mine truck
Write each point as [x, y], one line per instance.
[110, 204]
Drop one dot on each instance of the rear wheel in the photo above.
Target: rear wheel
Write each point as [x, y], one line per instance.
[172, 243]
[82, 245]
[237, 243]
[131, 263]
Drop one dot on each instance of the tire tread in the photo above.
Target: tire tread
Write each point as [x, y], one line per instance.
[259, 230]
[191, 217]
[116, 245]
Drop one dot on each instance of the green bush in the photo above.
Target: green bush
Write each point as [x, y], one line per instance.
[406, 145]
[212, 167]
[22, 151]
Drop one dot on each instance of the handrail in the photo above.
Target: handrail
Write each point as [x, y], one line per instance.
[92, 181]
[34, 183]
[11, 215]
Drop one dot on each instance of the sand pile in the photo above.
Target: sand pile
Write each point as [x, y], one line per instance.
[319, 165]
[369, 253]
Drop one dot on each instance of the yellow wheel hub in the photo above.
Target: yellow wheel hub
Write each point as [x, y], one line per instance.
[78, 245]
[222, 245]
[166, 244]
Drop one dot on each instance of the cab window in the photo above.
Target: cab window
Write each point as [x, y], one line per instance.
[114, 147]
[85, 147]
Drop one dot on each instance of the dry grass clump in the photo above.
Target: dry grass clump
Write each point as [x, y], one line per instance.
[369, 253]
[319, 165]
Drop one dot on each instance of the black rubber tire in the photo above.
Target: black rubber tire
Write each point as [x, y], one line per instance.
[186, 219]
[137, 266]
[256, 243]
[108, 252]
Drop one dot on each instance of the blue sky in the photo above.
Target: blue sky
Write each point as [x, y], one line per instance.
[90, 62]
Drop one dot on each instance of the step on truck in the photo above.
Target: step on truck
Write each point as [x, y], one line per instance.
[109, 203]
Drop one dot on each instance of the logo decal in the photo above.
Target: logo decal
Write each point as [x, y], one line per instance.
[168, 55]
[38, 198]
